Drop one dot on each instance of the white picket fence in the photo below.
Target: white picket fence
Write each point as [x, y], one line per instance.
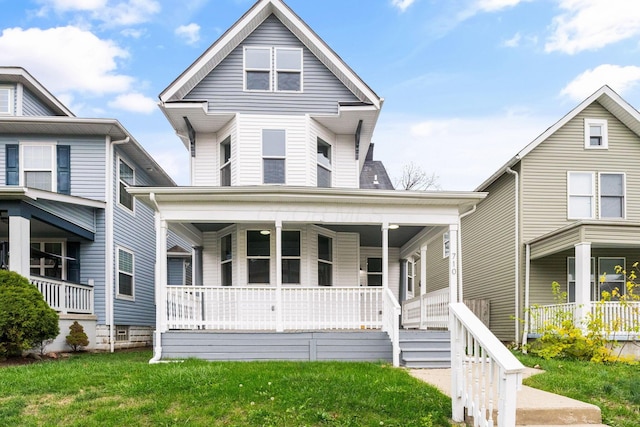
[65, 297]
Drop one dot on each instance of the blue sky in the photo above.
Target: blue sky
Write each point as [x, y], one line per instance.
[466, 83]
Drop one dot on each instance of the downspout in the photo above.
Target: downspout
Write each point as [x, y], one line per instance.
[157, 350]
[527, 272]
[109, 258]
[460, 294]
[517, 253]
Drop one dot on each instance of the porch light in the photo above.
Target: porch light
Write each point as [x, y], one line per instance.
[265, 232]
[394, 227]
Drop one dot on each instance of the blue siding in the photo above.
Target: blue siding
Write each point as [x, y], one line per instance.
[92, 258]
[81, 216]
[31, 106]
[223, 87]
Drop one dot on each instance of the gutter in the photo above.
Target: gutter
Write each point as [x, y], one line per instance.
[517, 252]
[460, 284]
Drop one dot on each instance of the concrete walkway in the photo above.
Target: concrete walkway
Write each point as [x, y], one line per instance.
[534, 407]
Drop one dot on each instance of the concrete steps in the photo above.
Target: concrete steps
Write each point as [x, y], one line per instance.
[425, 349]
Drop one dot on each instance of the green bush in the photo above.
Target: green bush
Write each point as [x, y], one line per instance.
[26, 320]
[77, 337]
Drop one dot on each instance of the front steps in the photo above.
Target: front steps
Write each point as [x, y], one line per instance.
[425, 349]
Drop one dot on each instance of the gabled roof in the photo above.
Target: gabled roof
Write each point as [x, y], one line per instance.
[606, 97]
[243, 28]
[20, 75]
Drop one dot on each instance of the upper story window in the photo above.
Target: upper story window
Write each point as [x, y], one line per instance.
[272, 69]
[324, 164]
[581, 191]
[6, 100]
[612, 195]
[225, 162]
[595, 133]
[274, 151]
[125, 274]
[126, 178]
[38, 166]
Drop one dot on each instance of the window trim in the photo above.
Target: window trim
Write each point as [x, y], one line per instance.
[63, 260]
[624, 195]
[446, 245]
[325, 261]
[245, 69]
[54, 163]
[594, 284]
[622, 288]
[132, 211]
[248, 257]
[224, 262]
[375, 273]
[319, 164]
[592, 195]
[131, 297]
[283, 158]
[587, 134]
[291, 257]
[277, 70]
[223, 164]
[10, 96]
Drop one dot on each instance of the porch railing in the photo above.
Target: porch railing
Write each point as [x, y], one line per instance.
[261, 308]
[485, 376]
[66, 297]
[391, 323]
[428, 311]
[619, 318]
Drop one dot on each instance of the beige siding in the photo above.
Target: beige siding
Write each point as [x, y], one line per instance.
[560, 242]
[206, 166]
[544, 177]
[437, 276]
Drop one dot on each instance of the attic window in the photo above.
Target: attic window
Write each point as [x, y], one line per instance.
[269, 69]
[595, 134]
[288, 69]
[257, 66]
[6, 101]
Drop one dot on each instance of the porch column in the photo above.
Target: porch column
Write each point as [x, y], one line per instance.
[20, 245]
[385, 255]
[279, 307]
[453, 263]
[583, 281]
[423, 285]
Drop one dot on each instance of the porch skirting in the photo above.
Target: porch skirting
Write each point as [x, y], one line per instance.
[300, 346]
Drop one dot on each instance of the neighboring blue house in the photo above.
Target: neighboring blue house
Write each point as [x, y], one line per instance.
[67, 221]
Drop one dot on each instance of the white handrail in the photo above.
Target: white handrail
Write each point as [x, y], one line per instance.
[483, 372]
[427, 311]
[65, 297]
[391, 323]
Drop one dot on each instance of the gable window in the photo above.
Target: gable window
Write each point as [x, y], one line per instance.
[274, 148]
[324, 164]
[126, 179]
[612, 189]
[288, 69]
[258, 256]
[38, 166]
[6, 101]
[226, 260]
[325, 261]
[125, 273]
[374, 271]
[571, 280]
[613, 280]
[446, 248]
[581, 190]
[595, 133]
[257, 68]
[291, 257]
[225, 162]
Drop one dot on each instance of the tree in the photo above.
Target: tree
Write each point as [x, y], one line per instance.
[77, 338]
[415, 178]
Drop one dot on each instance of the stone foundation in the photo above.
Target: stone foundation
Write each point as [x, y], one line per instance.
[137, 336]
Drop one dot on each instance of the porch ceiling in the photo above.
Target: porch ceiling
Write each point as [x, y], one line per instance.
[371, 235]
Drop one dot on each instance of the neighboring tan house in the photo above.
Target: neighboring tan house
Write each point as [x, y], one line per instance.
[566, 208]
[296, 227]
[66, 220]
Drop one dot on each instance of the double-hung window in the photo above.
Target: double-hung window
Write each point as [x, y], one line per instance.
[258, 256]
[268, 69]
[288, 69]
[325, 260]
[613, 279]
[6, 101]
[125, 274]
[612, 195]
[291, 257]
[225, 162]
[324, 164]
[274, 151]
[446, 245]
[257, 68]
[571, 280]
[581, 191]
[126, 178]
[226, 260]
[595, 134]
[38, 166]
[374, 271]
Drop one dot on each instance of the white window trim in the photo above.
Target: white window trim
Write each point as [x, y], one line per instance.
[227, 261]
[54, 163]
[325, 167]
[286, 149]
[592, 195]
[245, 69]
[63, 261]
[248, 257]
[131, 211]
[228, 162]
[624, 194]
[587, 134]
[331, 236]
[287, 70]
[10, 95]
[299, 257]
[131, 297]
[622, 287]
[374, 273]
[445, 239]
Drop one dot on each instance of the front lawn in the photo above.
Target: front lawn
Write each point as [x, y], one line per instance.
[614, 387]
[123, 389]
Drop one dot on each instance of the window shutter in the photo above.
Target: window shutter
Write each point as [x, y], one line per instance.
[73, 265]
[64, 169]
[13, 164]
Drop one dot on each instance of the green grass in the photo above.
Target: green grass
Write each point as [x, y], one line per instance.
[615, 388]
[122, 389]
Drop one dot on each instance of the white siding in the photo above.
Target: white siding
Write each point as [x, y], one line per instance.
[206, 166]
[394, 265]
[345, 167]
[346, 260]
[210, 259]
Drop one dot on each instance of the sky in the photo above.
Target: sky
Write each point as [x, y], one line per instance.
[466, 83]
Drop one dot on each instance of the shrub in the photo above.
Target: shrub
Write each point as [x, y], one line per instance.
[77, 338]
[26, 320]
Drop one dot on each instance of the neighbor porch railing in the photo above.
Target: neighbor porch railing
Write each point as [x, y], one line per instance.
[485, 376]
[617, 317]
[261, 308]
[66, 297]
[428, 311]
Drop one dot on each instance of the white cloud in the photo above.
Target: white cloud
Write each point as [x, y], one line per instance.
[133, 33]
[463, 152]
[593, 24]
[74, 5]
[127, 12]
[617, 77]
[66, 59]
[134, 102]
[402, 4]
[495, 5]
[190, 33]
[513, 41]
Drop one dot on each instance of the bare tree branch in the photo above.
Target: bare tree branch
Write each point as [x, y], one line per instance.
[415, 178]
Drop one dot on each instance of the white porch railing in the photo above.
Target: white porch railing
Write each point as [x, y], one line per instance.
[391, 323]
[620, 318]
[65, 297]
[542, 315]
[258, 308]
[428, 311]
[485, 376]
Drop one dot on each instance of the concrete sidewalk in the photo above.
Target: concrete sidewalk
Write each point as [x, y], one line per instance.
[534, 407]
